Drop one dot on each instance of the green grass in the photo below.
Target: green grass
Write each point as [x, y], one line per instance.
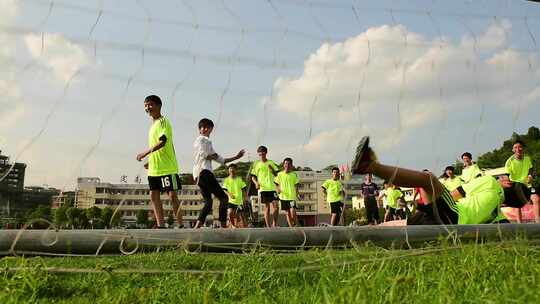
[507, 272]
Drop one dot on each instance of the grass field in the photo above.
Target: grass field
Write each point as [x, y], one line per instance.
[507, 272]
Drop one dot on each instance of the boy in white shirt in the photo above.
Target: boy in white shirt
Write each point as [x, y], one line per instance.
[203, 174]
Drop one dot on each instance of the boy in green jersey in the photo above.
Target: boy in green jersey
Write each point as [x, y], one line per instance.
[392, 194]
[162, 166]
[519, 167]
[236, 190]
[476, 202]
[470, 169]
[450, 180]
[287, 188]
[334, 193]
[263, 173]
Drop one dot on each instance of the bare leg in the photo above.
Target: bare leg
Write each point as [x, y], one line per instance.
[275, 214]
[408, 178]
[232, 217]
[157, 207]
[520, 215]
[333, 219]
[176, 208]
[289, 218]
[294, 217]
[395, 223]
[535, 198]
[267, 215]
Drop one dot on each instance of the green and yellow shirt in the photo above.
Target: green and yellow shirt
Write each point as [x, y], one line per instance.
[519, 168]
[451, 183]
[392, 196]
[235, 186]
[287, 183]
[163, 161]
[265, 176]
[333, 190]
[471, 172]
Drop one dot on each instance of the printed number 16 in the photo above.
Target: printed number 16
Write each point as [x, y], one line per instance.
[165, 182]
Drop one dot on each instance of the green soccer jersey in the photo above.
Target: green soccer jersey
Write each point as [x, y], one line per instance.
[482, 201]
[265, 176]
[519, 168]
[451, 183]
[287, 184]
[392, 196]
[163, 161]
[471, 172]
[333, 190]
[235, 186]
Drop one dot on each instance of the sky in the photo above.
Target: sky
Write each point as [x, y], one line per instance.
[427, 80]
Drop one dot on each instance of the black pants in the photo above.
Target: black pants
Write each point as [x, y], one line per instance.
[209, 185]
[372, 210]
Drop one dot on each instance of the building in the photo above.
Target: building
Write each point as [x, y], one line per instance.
[130, 198]
[11, 185]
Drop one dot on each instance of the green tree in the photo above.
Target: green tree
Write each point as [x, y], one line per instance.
[93, 214]
[142, 218]
[328, 168]
[41, 212]
[73, 214]
[106, 215]
[242, 169]
[60, 216]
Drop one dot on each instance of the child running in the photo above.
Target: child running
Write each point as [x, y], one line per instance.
[263, 174]
[203, 174]
[236, 190]
[476, 202]
[333, 190]
[162, 165]
[287, 188]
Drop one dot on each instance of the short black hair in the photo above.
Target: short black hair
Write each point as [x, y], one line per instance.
[450, 168]
[466, 154]
[288, 159]
[233, 166]
[205, 122]
[335, 168]
[262, 149]
[153, 98]
[519, 141]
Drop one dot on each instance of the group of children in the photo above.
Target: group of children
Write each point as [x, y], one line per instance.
[471, 198]
[272, 183]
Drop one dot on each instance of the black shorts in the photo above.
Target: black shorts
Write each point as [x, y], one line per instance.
[336, 207]
[268, 196]
[445, 208]
[286, 205]
[233, 206]
[391, 210]
[165, 183]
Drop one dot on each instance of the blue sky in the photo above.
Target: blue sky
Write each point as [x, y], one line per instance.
[443, 64]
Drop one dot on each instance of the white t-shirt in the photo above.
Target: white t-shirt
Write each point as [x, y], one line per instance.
[384, 200]
[202, 149]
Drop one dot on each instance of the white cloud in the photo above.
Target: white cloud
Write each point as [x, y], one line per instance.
[60, 54]
[429, 80]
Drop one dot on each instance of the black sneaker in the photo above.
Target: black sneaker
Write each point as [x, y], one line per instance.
[364, 156]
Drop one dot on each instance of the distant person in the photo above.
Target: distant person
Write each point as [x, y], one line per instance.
[450, 180]
[334, 193]
[392, 195]
[476, 202]
[263, 173]
[235, 188]
[470, 170]
[287, 188]
[422, 196]
[370, 192]
[519, 167]
[162, 165]
[203, 173]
